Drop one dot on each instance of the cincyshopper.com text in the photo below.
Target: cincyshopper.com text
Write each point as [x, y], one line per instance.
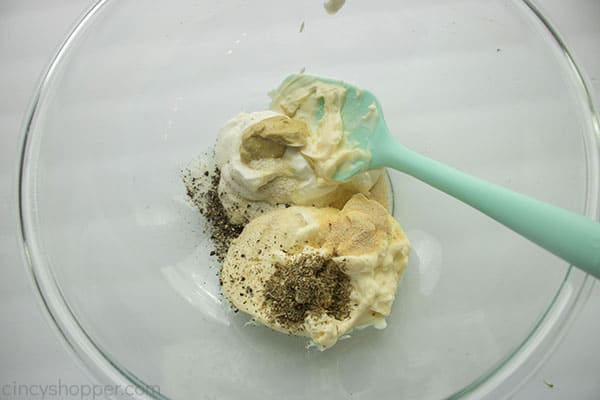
[62, 390]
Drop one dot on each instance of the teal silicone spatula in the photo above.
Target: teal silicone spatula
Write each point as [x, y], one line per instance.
[570, 236]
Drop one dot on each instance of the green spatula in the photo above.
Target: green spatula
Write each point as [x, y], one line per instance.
[570, 236]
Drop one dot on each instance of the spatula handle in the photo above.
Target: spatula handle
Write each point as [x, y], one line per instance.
[570, 236]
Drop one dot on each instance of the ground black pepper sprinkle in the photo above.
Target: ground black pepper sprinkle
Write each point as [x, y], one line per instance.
[205, 196]
[310, 284]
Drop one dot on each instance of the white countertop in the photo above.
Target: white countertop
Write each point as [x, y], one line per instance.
[30, 353]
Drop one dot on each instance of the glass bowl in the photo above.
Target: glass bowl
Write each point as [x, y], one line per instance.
[121, 261]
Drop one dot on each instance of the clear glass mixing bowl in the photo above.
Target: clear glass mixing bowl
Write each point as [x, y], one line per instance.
[138, 89]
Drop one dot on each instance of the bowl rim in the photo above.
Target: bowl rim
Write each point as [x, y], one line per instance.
[501, 381]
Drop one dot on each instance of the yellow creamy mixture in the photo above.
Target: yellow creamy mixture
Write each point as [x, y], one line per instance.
[276, 177]
[283, 157]
[362, 237]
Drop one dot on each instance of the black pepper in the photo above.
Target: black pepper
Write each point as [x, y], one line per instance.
[310, 284]
[206, 197]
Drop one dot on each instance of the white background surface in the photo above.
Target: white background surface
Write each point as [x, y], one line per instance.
[30, 352]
